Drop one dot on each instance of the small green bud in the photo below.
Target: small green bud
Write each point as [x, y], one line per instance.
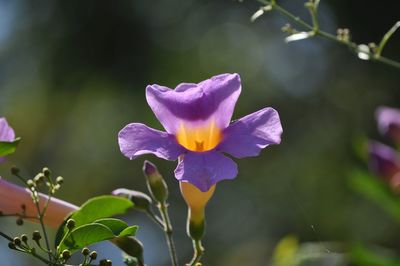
[39, 178]
[24, 238]
[19, 221]
[155, 182]
[36, 235]
[14, 170]
[141, 200]
[11, 245]
[93, 255]
[59, 180]
[66, 254]
[70, 224]
[46, 172]
[105, 263]
[30, 183]
[85, 251]
[17, 241]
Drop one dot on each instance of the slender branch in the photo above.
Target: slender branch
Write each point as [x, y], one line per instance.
[163, 207]
[386, 38]
[155, 218]
[198, 252]
[375, 56]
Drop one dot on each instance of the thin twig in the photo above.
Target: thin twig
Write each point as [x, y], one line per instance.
[163, 207]
[375, 56]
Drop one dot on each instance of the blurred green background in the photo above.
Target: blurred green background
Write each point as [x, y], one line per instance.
[73, 73]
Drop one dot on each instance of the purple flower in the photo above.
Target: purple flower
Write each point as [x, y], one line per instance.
[197, 119]
[384, 161]
[389, 122]
[6, 133]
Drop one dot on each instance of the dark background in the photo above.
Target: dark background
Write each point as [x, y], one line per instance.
[73, 73]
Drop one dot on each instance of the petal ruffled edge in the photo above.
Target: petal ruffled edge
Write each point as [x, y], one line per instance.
[137, 139]
[212, 98]
[247, 136]
[204, 169]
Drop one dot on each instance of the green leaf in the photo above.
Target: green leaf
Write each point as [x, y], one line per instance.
[95, 209]
[373, 188]
[7, 148]
[85, 235]
[105, 229]
[118, 227]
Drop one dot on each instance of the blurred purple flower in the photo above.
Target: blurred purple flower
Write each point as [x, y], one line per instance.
[197, 119]
[6, 133]
[384, 161]
[389, 122]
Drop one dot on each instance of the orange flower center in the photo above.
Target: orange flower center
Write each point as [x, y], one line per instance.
[202, 138]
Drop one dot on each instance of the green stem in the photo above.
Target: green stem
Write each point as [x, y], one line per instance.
[386, 38]
[351, 45]
[163, 207]
[198, 252]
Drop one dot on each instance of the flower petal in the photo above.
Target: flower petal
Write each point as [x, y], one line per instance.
[389, 121]
[212, 98]
[137, 139]
[204, 169]
[6, 132]
[384, 161]
[248, 135]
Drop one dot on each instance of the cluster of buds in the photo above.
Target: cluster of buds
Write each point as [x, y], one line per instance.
[343, 34]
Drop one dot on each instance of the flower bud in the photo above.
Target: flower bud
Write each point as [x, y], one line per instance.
[70, 224]
[155, 182]
[14, 170]
[19, 221]
[59, 180]
[30, 183]
[11, 245]
[39, 178]
[85, 251]
[140, 200]
[17, 241]
[46, 172]
[93, 255]
[196, 201]
[36, 235]
[24, 238]
[66, 254]
[105, 263]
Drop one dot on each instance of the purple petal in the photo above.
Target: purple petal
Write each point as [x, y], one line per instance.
[248, 135]
[204, 169]
[383, 160]
[389, 121]
[212, 98]
[137, 139]
[6, 132]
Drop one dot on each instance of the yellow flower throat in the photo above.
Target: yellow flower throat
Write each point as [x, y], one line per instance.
[199, 139]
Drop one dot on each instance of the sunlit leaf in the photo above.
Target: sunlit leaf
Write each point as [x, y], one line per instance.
[95, 209]
[7, 148]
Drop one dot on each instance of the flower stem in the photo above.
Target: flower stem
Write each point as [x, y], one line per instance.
[375, 56]
[198, 252]
[163, 207]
